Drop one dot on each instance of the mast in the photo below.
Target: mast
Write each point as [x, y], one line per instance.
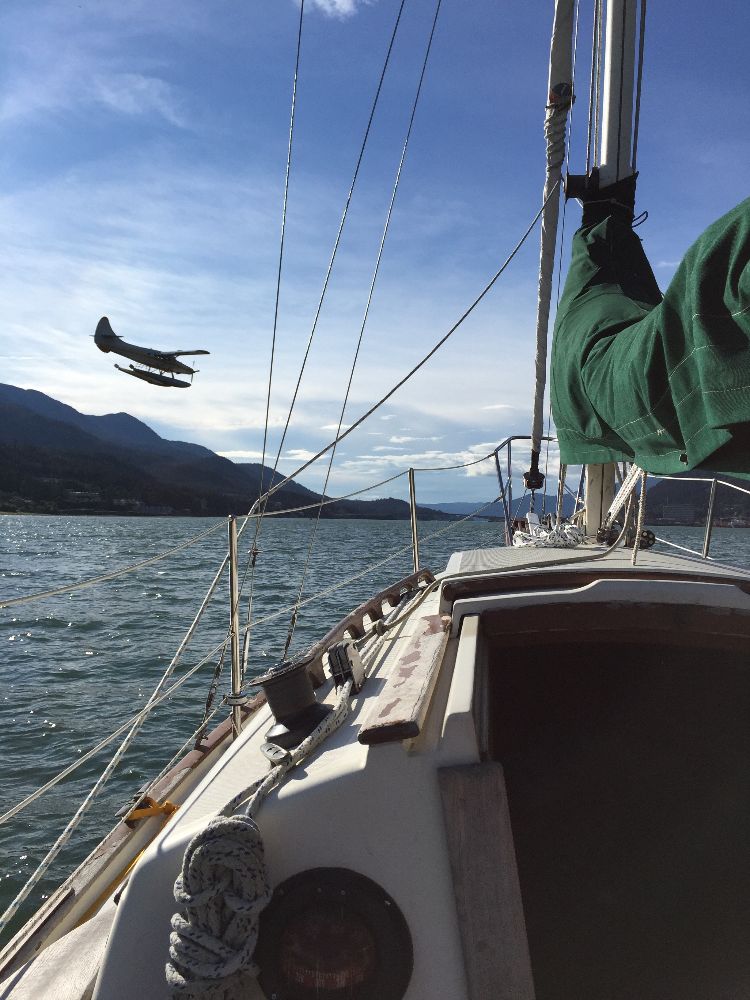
[617, 102]
[615, 163]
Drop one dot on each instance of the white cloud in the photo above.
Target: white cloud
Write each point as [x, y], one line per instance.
[136, 94]
[398, 439]
[78, 65]
[242, 456]
[297, 455]
[337, 8]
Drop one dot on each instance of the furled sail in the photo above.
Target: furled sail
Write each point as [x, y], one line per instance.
[661, 381]
[559, 100]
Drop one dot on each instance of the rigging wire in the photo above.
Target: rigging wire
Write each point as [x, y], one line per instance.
[568, 145]
[337, 241]
[250, 565]
[208, 710]
[84, 807]
[598, 94]
[451, 468]
[144, 712]
[365, 316]
[576, 21]
[263, 498]
[281, 244]
[621, 96]
[420, 364]
[329, 500]
[104, 577]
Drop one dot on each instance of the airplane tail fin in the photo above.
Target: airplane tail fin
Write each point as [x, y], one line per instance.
[104, 333]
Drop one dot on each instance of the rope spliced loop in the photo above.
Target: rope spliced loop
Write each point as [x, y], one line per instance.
[223, 888]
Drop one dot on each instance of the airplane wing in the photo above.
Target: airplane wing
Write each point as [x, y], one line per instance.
[179, 354]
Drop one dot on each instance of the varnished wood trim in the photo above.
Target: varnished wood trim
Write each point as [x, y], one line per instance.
[485, 882]
[401, 706]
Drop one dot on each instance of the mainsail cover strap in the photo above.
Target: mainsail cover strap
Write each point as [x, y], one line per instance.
[664, 383]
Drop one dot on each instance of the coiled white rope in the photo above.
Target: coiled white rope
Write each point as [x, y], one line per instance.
[561, 536]
[223, 886]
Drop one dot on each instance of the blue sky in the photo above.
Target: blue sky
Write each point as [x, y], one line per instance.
[141, 176]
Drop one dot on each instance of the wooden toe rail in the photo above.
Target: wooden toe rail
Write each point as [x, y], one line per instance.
[401, 706]
[354, 623]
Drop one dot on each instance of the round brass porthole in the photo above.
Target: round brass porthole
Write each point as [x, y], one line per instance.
[333, 934]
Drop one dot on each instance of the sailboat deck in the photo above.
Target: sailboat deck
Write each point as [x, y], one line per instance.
[587, 558]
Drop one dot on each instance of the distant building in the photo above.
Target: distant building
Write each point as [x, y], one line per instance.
[153, 509]
[81, 496]
[680, 513]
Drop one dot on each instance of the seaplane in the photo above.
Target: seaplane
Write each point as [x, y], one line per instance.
[154, 362]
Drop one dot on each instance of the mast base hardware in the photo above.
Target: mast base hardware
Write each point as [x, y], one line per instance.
[346, 664]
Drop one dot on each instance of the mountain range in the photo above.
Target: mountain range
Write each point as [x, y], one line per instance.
[519, 507]
[54, 459]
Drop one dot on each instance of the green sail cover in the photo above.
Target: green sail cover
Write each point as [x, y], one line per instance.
[663, 382]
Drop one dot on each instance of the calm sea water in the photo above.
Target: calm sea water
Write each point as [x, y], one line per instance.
[76, 666]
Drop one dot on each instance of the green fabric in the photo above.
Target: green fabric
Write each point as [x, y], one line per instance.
[662, 382]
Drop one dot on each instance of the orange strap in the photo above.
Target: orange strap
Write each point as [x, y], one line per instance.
[150, 807]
